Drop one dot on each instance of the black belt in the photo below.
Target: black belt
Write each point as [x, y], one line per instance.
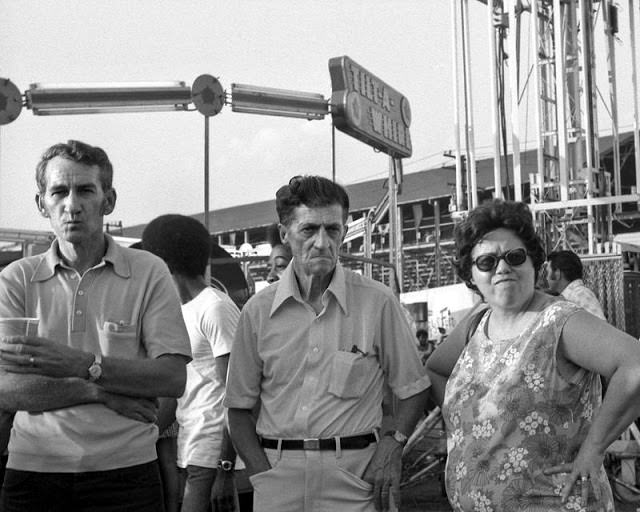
[346, 443]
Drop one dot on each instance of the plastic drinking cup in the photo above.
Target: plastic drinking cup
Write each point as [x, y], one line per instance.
[18, 326]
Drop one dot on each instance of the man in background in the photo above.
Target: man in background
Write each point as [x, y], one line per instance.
[278, 260]
[564, 276]
[205, 453]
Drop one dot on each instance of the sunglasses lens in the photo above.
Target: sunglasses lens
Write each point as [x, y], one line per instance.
[515, 257]
[486, 262]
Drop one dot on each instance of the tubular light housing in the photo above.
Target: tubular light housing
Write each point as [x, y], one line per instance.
[251, 99]
[95, 98]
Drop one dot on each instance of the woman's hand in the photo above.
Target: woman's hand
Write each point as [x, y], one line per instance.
[585, 468]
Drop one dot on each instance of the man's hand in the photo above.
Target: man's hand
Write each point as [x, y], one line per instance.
[144, 410]
[384, 472]
[41, 356]
[223, 492]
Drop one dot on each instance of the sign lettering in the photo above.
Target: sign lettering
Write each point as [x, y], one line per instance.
[368, 109]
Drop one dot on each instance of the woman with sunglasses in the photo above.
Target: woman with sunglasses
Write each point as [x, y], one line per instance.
[526, 429]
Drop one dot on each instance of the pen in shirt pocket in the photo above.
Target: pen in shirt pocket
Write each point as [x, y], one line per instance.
[356, 350]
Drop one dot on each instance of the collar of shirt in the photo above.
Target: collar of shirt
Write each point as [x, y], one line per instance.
[114, 255]
[576, 283]
[288, 288]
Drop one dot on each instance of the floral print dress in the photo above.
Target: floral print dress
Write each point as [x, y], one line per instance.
[510, 414]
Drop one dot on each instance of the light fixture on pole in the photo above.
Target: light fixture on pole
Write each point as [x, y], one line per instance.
[208, 97]
[251, 99]
[10, 101]
[96, 98]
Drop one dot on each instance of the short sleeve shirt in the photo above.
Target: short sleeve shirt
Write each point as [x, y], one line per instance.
[322, 375]
[125, 307]
[578, 293]
[211, 318]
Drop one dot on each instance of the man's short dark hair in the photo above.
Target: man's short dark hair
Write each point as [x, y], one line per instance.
[80, 152]
[181, 241]
[568, 262]
[310, 191]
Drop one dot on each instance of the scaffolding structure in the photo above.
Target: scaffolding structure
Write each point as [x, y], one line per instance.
[573, 197]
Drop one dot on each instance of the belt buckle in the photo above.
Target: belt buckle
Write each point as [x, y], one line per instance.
[311, 444]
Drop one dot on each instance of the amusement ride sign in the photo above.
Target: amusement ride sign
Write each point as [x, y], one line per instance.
[366, 108]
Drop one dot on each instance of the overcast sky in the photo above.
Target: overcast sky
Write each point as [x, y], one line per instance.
[158, 158]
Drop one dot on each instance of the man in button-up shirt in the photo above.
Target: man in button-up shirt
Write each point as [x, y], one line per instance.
[315, 350]
[564, 276]
[111, 339]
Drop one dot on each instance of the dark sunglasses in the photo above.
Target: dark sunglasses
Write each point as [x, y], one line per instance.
[488, 262]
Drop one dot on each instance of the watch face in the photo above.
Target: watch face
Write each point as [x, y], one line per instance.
[225, 465]
[95, 371]
[400, 437]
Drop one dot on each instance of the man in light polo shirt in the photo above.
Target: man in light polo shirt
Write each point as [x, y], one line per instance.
[110, 340]
[314, 350]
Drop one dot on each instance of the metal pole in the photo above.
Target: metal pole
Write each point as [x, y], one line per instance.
[495, 118]
[559, 43]
[515, 91]
[393, 224]
[436, 239]
[613, 98]
[535, 37]
[591, 160]
[368, 227]
[456, 105]
[634, 80]
[471, 150]
[333, 152]
[206, 174]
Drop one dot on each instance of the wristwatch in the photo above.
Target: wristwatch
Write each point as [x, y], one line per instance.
[95, 370]
[225, 465]
[398, 436]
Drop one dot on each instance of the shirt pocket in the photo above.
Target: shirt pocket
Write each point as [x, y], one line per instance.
[119, 340]
[348, 375]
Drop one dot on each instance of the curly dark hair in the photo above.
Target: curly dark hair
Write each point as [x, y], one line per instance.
[182, 242]
[512, 215]
[310, 191]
